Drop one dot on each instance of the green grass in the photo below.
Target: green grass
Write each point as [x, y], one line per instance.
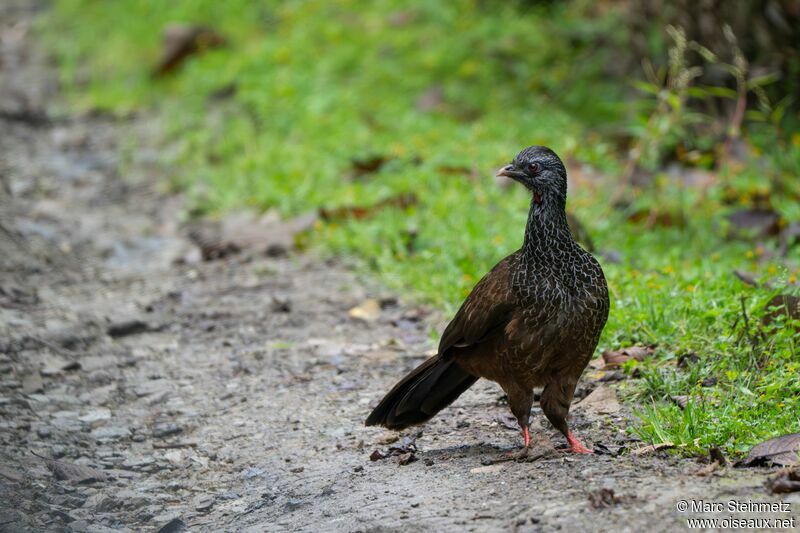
[319, 84]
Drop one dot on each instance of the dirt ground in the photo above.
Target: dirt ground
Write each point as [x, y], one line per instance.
[143, 388]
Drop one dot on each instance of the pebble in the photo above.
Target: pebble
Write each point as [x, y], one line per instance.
[166, 429]
[96, 415]
[111, 433]
[204, 503]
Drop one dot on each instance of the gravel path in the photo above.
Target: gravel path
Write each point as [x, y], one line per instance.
[143, 388]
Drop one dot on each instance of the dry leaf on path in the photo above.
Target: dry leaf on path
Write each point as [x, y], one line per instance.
[616, 358]
[181, 42]
[652, 448]
[368, 310]
[602, 400]
[400, 201]
[782, 451]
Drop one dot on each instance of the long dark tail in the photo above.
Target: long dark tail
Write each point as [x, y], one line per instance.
[425, 391]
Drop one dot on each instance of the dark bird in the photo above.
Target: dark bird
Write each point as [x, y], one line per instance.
[533, 321]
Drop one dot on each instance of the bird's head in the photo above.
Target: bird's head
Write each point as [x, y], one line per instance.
[540, 170]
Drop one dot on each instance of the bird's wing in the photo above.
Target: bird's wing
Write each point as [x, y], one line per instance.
[486, 311]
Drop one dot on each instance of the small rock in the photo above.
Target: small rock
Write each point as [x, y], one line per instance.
[127, 327]
[96, 415]
[488, 469]
[32, 383]
[176, 525]
[602, 400]
[55, 366]
[166, 429]
[174, 456]
[368, 311]
[111, 433]
[138, 463]
[204, 503]
[281, 305]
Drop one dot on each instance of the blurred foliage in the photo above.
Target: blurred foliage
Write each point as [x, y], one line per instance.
[325, 104]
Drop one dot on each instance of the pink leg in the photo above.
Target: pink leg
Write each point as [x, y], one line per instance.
[575, 445]
[526, 436]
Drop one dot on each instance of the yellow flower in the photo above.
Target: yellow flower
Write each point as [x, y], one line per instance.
[691, 288]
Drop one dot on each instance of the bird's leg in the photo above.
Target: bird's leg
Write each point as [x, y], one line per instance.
[575, 445]
[555, 402]
[526, 436]
[522, 453]
[520, 401]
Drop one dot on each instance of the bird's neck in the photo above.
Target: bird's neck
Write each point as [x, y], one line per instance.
[547, 232]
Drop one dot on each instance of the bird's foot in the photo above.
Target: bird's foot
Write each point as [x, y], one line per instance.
[526, 444]
[575, 445]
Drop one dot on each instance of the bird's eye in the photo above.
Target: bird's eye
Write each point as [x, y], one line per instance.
[534, 167]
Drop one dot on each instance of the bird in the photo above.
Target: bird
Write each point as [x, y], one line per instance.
[533, 321]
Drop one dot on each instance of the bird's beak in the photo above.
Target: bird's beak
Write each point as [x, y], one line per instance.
[509, 172]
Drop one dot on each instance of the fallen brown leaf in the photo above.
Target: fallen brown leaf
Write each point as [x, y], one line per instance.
[400, 201]
[368, 165]
[652, 448]
[376, 455]
[602, 400]
[181, 41]
[748, 278]
[405, 451]
[616, 358]
[406, 458]
[456, 170]
[653, 217]
[368, 310]
[685, 360]
[781, 451]
[680, 401]
[751, 223]
[707, 470]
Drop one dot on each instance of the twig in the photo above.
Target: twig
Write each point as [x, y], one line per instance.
[170, 445]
